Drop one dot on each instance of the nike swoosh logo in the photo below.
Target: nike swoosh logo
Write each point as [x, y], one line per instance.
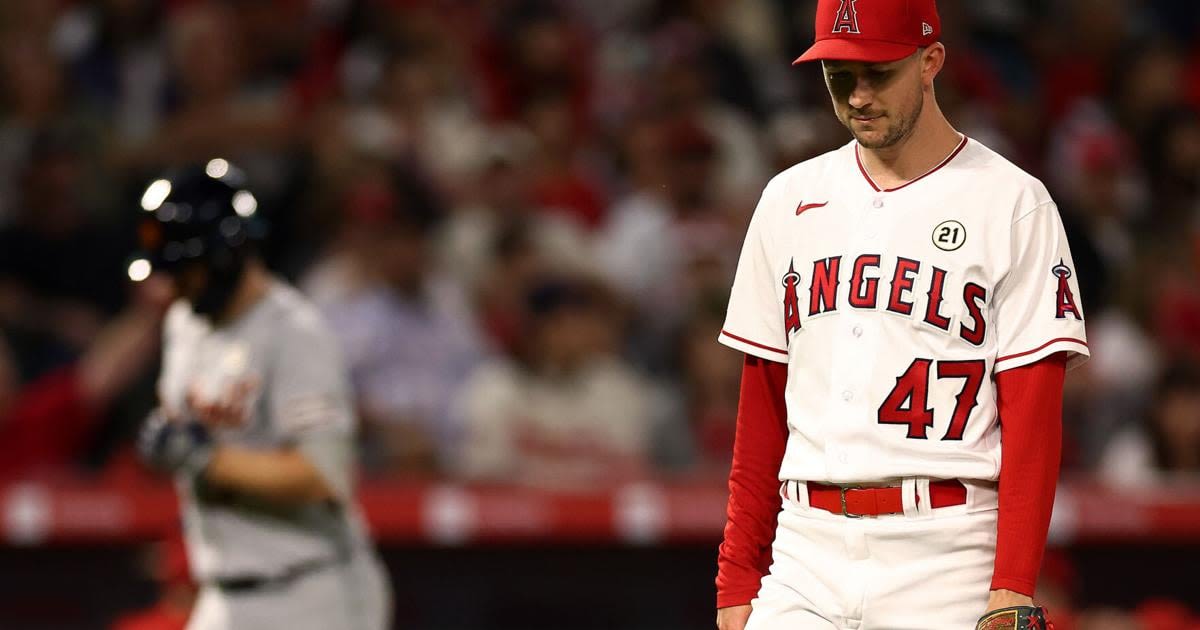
[809, 206]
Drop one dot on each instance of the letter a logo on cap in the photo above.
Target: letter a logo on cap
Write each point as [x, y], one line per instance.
[847, 18]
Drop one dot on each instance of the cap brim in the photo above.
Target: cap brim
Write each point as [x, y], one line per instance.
[867, 50]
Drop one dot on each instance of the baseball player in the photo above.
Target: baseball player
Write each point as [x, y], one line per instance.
[255, 423]
[908, 307]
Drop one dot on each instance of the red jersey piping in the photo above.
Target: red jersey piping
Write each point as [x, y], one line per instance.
[863, 169]
[1042, 347]
[756, 345]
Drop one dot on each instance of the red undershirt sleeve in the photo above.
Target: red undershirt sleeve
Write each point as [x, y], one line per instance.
[1029, 399]
[754, 501]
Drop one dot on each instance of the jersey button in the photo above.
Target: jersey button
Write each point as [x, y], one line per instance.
[878, 203]
[858, 331]
[847, 395]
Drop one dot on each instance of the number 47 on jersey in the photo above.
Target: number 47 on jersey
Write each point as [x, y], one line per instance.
[908, 403]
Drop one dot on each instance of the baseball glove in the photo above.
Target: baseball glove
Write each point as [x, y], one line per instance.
[175, 447]
[1015, 618]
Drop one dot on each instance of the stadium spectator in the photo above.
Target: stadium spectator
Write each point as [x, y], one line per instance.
[700, 78]
[214, 105]
[1174, 296]
[565, 411]
[117, 66]
[528, 49]
[422, 98]
[62, 267]
[712, 377]
[500, 204]
[32, 98]
[561, 182]
[1169, 444]
[407, 330]
[1172, 158]
[669, 222]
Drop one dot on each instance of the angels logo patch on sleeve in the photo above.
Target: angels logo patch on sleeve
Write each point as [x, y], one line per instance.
[1064, 300]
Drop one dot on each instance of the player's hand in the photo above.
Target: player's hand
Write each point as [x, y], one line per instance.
[733, 617]
[226, 411]
[175, 447]
[1009, 610]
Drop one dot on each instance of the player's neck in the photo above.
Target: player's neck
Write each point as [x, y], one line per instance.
[932, 139]
[256, 281]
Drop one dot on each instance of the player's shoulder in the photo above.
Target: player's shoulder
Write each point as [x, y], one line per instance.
[820, 169]
[180, 319]
[178, 313]
[291, 313]
[988, 170]
[818, 177]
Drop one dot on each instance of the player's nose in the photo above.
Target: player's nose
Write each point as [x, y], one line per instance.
[862, 95]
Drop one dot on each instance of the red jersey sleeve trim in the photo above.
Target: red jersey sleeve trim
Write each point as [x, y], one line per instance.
[1076, 349]
[755, 344]
[1041, 347]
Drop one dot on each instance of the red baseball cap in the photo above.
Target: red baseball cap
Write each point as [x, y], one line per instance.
[874, 31]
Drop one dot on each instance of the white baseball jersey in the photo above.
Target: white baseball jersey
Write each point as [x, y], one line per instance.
[895, 308]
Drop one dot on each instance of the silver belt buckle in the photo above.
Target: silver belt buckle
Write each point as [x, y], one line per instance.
[845, 512]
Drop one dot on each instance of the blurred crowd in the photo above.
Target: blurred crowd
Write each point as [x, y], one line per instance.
[522, 217]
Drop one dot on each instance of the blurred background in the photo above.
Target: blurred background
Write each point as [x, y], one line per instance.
[522, 219]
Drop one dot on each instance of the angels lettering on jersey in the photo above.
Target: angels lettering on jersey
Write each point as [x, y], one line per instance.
[825, 281]
[824, 287]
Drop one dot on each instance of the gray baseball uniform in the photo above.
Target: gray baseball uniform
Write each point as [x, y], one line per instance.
[243, 550]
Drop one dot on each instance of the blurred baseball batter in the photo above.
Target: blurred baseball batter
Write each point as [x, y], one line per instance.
[255, 422]
[908, 307]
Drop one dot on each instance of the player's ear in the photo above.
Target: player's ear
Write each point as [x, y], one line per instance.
[933, 58]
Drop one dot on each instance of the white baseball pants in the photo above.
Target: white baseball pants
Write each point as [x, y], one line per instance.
[926, 569]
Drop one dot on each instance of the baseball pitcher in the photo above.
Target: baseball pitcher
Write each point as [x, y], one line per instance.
[908, 307]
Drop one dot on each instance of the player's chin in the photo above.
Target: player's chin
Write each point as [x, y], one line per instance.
[873, 139]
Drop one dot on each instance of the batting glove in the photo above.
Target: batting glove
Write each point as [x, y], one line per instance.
[175, 447]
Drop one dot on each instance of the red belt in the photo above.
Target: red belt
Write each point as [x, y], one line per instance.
[857, 502]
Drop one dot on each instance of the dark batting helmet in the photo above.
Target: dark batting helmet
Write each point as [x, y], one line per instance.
[202, 216]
